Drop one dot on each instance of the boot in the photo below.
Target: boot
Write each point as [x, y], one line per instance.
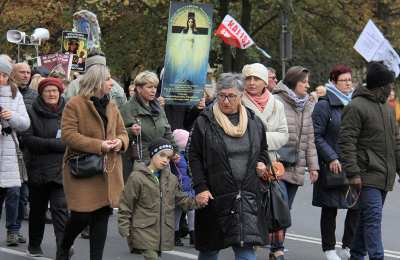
[178, 241]
[63, 254]
[191, 235]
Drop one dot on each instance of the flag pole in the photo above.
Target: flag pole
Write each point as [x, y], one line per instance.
[262, 51]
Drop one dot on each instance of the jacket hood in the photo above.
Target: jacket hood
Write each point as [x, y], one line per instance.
[363, 91]
[40, 107]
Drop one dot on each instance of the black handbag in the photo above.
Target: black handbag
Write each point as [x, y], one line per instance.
[279, 212]
[87, 165]
[288, 154]
[278, 207]
[331, 180]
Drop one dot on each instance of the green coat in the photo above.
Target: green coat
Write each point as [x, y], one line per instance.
[146, 213]
[369, 141]
[152, 119]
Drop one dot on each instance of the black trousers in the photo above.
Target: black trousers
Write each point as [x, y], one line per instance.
[328, 227]
[98, 225]
[39, 197]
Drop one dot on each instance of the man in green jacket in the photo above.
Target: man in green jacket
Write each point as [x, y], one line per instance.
[370, 152]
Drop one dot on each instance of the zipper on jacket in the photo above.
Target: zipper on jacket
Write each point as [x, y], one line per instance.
[239, 198]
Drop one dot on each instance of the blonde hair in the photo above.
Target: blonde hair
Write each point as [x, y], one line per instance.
[93, 80]
[145, 77]
[35, 81]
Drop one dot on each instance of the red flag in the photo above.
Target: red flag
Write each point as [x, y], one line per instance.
[232, 33]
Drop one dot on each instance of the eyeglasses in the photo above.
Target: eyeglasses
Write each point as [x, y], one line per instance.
[345, 80]
[51, 91]
[231, 97]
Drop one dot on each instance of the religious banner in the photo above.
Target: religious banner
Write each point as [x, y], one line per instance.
[188, 47]
[75, 43]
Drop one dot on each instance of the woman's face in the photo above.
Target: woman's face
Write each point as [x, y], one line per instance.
[107, 86]
[147, 92]
[229, 100]
[131, 90]
[344, 83]
[255, 86]
[3, 79]
[302, 87]
[51, 95]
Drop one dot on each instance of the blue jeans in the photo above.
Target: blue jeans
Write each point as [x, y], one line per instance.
[289, 192]
[368, 236]
[241, 253]
[11, 198]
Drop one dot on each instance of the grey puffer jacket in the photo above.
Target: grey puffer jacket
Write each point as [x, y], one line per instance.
[307, 154]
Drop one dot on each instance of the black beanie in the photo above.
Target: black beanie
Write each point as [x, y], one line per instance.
[378, 75]
[159, 144]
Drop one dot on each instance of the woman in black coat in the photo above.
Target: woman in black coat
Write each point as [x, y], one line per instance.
[43, 140]
[228, 149]
[327, 119]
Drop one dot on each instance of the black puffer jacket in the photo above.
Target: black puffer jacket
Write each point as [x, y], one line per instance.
[235, 216]
[45, 149]
[29, 96]
[369, 141]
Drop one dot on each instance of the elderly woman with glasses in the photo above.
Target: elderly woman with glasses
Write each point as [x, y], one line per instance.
[228, 159]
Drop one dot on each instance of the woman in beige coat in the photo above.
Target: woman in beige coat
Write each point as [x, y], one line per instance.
[292, 92]
[92, 124]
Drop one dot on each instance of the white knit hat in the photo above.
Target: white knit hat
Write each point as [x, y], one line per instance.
[256, 69]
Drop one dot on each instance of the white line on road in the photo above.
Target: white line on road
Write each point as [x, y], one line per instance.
[19, 253]
[181, 254]
[315, 240]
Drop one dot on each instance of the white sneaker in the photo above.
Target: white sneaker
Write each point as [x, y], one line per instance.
[344, 253]
[331, 255]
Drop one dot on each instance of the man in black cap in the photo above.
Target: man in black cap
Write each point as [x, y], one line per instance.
[370, 152]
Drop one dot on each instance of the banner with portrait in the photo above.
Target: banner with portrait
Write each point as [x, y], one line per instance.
[75, 43]
[187, 52]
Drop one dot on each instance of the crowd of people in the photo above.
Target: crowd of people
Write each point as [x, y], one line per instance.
[210, 164]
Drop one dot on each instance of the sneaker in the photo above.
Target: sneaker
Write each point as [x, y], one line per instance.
[21, 238]
[278, 255]
[331, 255]
[12, 239]
[35, 251]
[344, 253]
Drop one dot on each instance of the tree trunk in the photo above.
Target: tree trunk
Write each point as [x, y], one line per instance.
[240, 60]
[226, 50]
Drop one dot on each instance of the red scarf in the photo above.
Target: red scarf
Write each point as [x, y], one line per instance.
[260, 101]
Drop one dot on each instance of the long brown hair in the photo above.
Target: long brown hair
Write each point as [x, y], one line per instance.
[14, 87]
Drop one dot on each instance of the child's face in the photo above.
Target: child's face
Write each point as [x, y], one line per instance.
[161, 159]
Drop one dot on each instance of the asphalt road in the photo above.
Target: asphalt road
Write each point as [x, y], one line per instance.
[303, 239]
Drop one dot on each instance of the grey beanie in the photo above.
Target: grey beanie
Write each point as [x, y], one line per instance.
[96, 59]
[5, 66]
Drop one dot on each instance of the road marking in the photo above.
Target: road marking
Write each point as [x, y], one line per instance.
[181, 254]
[19, 253]
[315, 240]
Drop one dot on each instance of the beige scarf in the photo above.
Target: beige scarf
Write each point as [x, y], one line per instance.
[224, 122]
